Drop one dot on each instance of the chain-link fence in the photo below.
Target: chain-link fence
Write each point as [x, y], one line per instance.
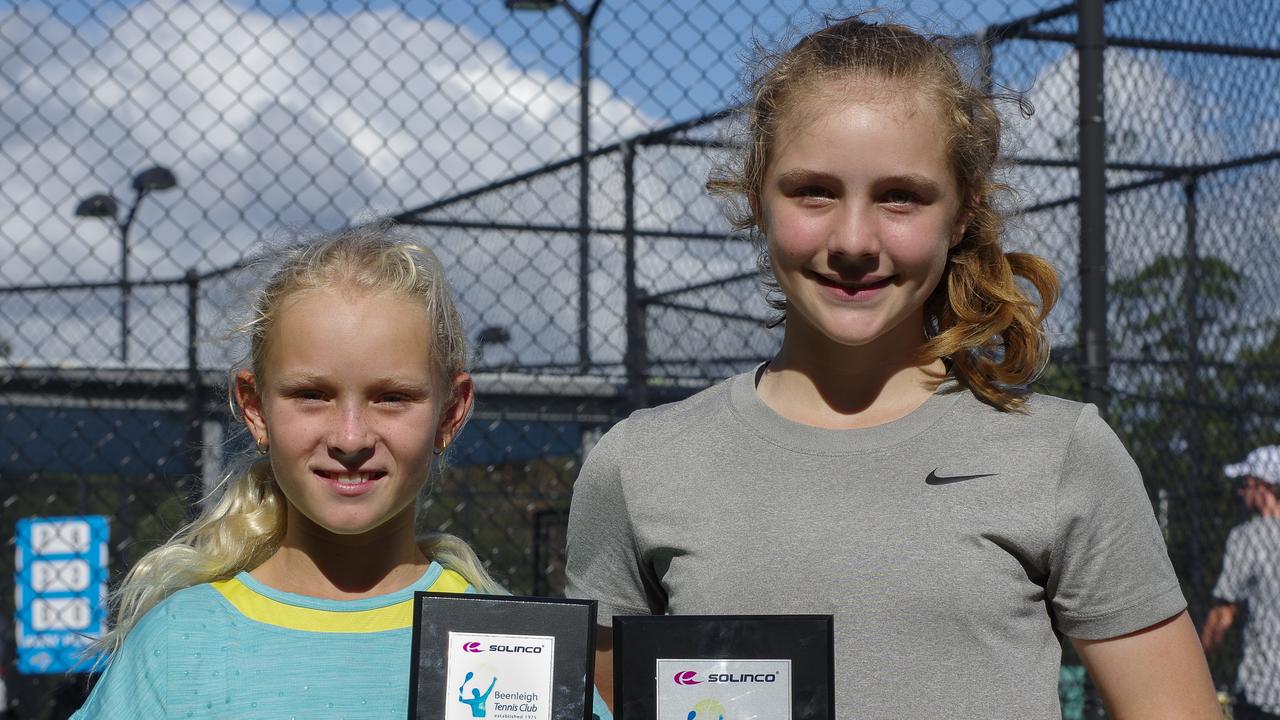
[556, 161]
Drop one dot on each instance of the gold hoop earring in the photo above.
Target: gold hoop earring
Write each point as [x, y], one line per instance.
[263, 447]
[440, 450]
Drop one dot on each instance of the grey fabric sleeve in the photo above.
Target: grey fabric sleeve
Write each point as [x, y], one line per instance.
[603, 562]
[1109, 570]
[1232, 583]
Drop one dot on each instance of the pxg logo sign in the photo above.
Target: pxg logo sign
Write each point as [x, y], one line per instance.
[687, 677]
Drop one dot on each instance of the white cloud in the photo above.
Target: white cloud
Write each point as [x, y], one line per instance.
[266, 121]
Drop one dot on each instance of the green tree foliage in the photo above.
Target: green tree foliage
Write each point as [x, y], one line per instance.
[1153, 307]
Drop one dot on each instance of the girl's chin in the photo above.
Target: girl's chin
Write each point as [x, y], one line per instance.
[847, 336]
[856, 331]
[350, 525]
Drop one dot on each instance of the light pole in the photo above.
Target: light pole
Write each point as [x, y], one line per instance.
[583, 20]
[103, 205]
[490, 335]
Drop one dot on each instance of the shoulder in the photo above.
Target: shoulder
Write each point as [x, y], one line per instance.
[674, 429]
[136, 683]
[1090, 451]
[190, 606]
[193, 611]
[1036, 410]
[1048, 407]
[674, 419]
[1043, 424]
[1063, 442]
[450, 581]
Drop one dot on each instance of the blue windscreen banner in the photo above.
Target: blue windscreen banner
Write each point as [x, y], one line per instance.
[61, 580]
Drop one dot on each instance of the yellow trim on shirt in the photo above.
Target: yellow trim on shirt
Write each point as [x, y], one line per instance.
[273, 612]
[449, 582]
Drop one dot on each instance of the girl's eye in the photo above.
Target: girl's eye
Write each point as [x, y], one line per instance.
[306, 394]
[814, 191]
[402, 397]
[899, 197]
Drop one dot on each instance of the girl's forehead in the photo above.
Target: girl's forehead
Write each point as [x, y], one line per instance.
[822, 97]
[825, 115]
[316, 299]
[351, 314]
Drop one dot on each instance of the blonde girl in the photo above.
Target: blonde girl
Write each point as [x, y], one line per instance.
[290, 595]
[886, 465]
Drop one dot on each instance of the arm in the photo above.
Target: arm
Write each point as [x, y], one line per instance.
[604, 664]
[1232, 587]
[602, 558]
[1216, 625]
[1158, 673]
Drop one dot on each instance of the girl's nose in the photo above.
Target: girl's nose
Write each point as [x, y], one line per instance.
[854, 234]
[352, 442]
[353, 459]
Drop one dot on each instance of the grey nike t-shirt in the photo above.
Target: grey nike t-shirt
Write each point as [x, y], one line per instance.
[951, 545]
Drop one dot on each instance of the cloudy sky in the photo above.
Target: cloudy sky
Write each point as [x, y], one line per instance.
[312, 115]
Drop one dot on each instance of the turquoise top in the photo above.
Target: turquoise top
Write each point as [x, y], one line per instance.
[237, 648]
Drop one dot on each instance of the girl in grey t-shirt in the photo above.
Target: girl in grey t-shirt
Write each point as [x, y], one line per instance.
[881, 466]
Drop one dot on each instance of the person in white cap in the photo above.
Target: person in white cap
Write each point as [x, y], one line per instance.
[1251, 576]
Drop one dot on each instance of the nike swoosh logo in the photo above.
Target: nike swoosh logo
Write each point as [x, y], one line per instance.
[935, 479]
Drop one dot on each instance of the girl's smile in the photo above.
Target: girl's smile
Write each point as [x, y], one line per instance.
[840, 289]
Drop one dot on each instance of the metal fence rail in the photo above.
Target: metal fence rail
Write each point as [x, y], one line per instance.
[556, 161]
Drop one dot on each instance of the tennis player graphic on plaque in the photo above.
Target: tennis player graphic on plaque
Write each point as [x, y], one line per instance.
[476, 701]
[500, 677]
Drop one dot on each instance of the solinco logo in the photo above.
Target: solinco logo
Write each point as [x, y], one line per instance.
[687, 677]
[475, 647]
[690, 677]
[531, 649]
[742, 677]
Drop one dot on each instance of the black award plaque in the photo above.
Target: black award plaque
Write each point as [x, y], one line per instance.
[501, 657]
[709, 667]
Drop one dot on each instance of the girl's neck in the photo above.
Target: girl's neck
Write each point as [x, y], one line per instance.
[316, 563]
[814, 381]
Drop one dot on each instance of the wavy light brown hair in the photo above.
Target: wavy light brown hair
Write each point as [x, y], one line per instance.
[979, 316]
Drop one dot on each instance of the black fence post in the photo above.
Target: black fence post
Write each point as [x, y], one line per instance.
[1090, 42]
[1191, 290]
[1193, 407]
[636, 352]
[584, 19]
[195, 410]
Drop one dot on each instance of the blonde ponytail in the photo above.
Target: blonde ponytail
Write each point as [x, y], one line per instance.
[237, 532]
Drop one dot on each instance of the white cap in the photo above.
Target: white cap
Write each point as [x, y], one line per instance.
[1263, 463]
